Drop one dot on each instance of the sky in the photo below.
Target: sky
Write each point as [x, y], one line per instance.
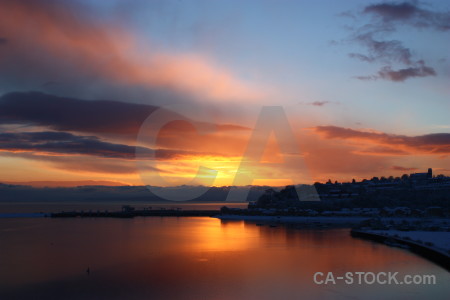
[363, 85]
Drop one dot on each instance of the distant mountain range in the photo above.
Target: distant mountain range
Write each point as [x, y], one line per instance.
[66, 183]
[94, 193]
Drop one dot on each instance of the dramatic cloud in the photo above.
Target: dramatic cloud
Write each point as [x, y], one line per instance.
[365, 141]
[52, 143]
[64, 143]
[50, 129]
[62, 113]
[73, 48]
[386, 18]
[87, 116]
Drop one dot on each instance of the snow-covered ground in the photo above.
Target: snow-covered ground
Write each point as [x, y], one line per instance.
[439, 240]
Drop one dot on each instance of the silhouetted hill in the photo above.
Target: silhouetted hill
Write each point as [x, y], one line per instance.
[13, 193]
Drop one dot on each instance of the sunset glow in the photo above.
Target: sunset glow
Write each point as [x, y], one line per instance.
[70, 110]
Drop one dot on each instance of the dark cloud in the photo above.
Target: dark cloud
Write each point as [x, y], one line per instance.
[436, 143]
[385, 51]
[66, 144]
[3, 40]
[392, 11]
[387, 73]
[49, 142]
[88, 116]
[386, 18]
[62, 113]
[409, 13]
[403, 74]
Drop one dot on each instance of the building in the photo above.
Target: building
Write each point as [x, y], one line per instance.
[421, 178]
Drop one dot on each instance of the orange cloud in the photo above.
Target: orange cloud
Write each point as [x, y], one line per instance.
[62, 36]
[379, 143]
[403, 169]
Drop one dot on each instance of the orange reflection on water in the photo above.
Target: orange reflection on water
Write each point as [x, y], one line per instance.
[196, 258]
[209, 234]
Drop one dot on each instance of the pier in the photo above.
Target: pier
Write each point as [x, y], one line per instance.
[131, 213]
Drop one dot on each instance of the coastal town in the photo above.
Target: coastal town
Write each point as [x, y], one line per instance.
[415, 195]
[411, 211]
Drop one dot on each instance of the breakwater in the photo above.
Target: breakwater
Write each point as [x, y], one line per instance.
[136, 213]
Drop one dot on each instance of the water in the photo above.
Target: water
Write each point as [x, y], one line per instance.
[195, 258]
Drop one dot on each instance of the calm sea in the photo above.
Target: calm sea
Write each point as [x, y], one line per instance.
[195, 258]
[49, 207]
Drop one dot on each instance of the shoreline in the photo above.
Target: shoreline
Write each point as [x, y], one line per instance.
[430, 252]
[350, 220]
[318, 221]
[425, 249]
